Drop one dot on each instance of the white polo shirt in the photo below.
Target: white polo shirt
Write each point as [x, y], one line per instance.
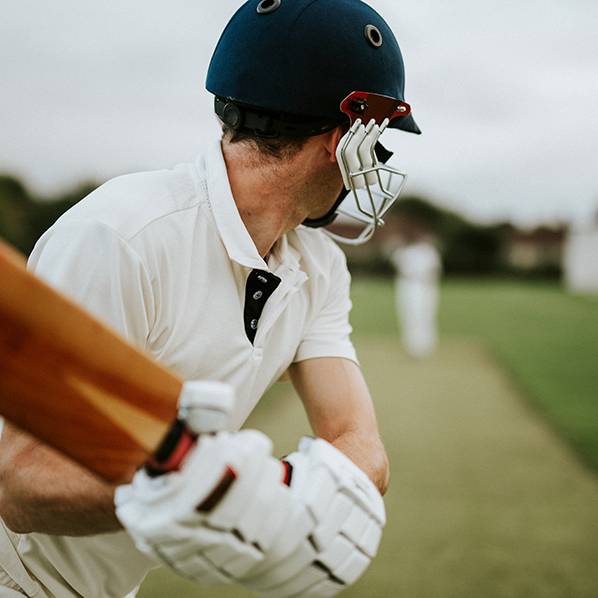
[164, 258]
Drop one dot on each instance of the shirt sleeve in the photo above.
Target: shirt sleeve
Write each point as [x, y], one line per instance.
[95, 267]
[328, 331]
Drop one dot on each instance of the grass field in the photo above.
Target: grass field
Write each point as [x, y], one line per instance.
[485, 499]
[546, 338]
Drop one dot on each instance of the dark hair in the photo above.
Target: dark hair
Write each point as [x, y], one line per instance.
[282, 147]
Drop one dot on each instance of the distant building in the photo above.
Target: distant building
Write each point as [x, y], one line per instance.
[537, 250]
[580, 260]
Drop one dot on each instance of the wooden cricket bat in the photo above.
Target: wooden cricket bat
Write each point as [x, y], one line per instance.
[69, 380]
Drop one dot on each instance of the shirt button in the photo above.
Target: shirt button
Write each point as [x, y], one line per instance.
[253, 324]
[262, 279]
[257, 295]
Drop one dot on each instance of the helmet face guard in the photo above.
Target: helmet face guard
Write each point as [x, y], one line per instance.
[372, 187]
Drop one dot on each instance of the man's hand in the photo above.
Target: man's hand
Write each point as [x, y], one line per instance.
[215, 519]
[225, 506]
[349, 514]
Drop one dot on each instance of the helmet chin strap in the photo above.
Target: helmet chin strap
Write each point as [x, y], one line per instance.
[330, 216]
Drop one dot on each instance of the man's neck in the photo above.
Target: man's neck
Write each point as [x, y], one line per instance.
[266, 194]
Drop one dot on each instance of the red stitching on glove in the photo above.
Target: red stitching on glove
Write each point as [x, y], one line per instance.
[223, 486]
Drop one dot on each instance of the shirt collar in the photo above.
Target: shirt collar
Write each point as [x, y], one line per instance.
[283, 256]
[237, 241]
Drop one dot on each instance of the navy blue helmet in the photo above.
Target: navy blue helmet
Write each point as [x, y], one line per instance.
[285, 66]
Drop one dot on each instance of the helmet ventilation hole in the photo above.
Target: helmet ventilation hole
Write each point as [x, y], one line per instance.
[265, 7]
[373, 35]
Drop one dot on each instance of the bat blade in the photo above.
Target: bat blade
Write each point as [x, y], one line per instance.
[72, 382]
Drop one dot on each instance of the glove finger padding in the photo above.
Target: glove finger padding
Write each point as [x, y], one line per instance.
[214, 519]
[349, 515]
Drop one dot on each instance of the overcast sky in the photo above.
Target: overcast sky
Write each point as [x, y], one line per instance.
[506, 94]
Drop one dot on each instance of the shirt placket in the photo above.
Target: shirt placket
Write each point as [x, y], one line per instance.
[291, 282]
[260, 285]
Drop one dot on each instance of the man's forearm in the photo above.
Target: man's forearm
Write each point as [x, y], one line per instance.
[26, 512]
[42, 491]
[340, 411]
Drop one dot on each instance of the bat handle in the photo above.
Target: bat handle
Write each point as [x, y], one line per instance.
[174, 448]
[204, 406]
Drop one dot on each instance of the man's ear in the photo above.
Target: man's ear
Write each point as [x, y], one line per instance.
[333, 140]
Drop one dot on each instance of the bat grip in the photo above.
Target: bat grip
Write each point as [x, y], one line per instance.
[170, 454]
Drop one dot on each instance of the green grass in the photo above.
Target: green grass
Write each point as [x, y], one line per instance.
[546, 338]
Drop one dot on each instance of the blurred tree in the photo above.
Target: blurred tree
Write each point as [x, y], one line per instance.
[23, 218]
[470, 249]
[466, 248]
[419, 210]
[15, 204]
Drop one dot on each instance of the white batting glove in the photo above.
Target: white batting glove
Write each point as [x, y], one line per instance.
[214, 518]
[349, 514]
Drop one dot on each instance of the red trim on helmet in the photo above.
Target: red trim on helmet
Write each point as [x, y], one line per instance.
[368, 106]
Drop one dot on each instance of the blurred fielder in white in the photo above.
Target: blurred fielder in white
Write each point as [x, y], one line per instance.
[418, 266]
